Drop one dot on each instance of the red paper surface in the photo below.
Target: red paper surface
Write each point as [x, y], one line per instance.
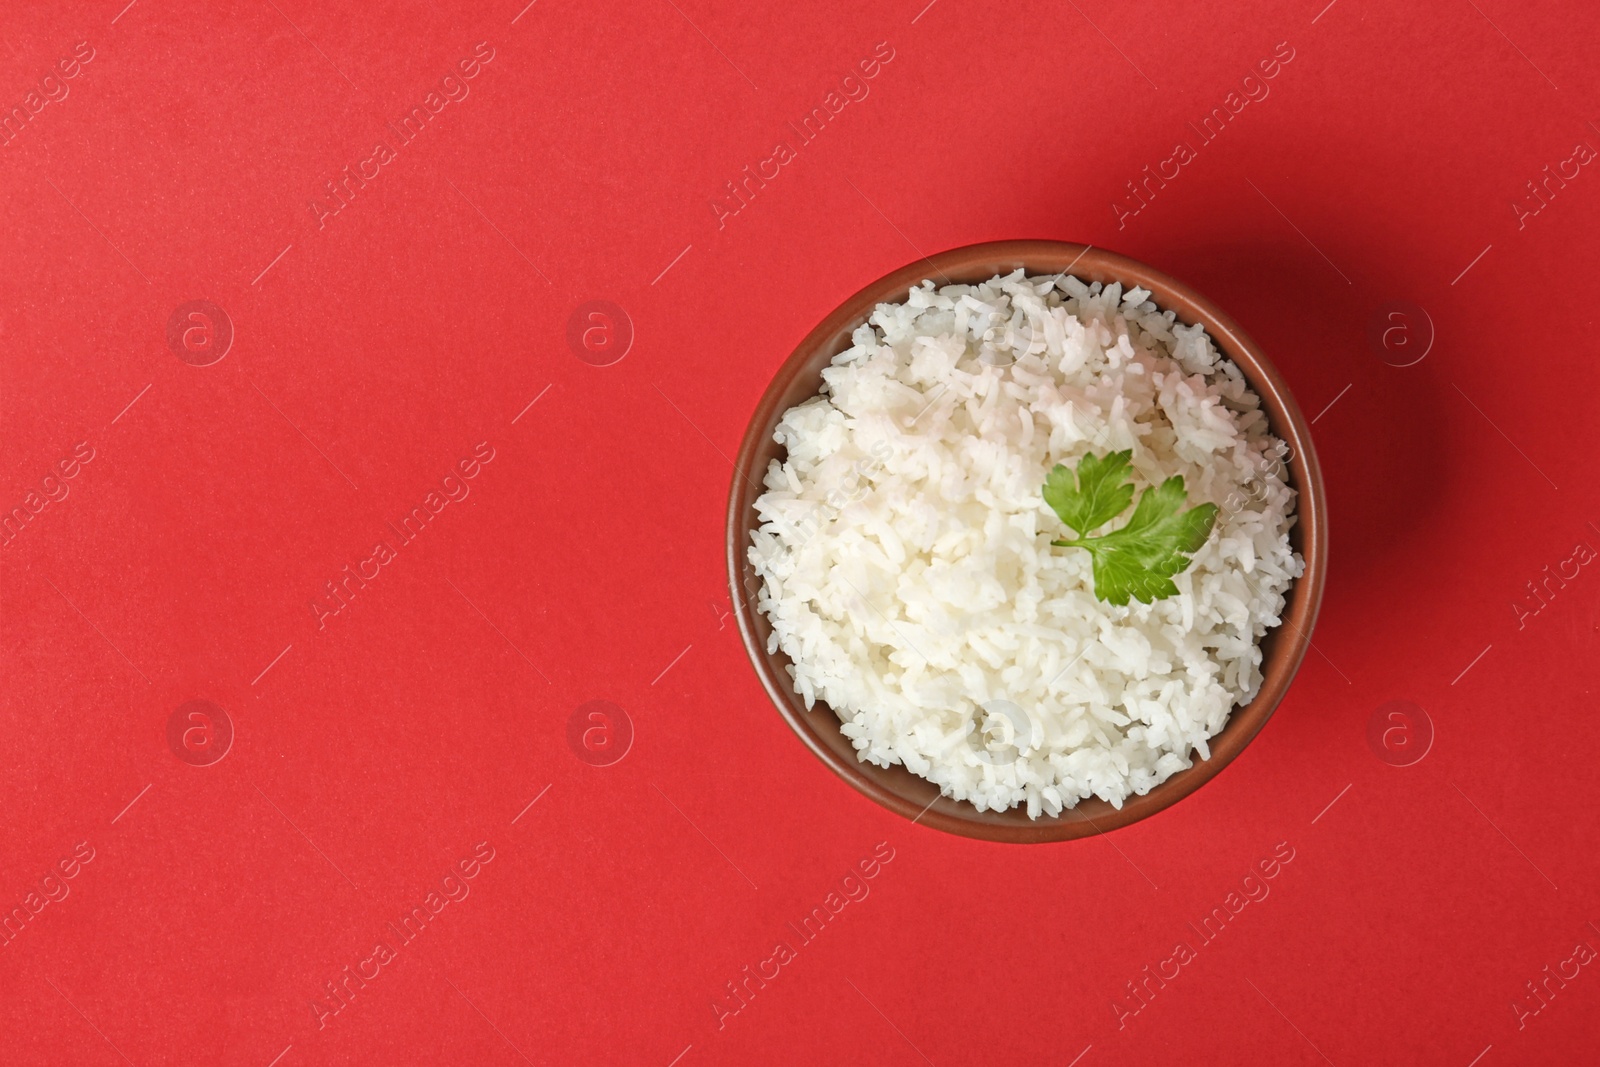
[378, 349]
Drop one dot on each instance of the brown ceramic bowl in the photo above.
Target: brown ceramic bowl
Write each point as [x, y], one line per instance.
[800, 377]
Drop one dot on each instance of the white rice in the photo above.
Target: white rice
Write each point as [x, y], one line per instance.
[905, 543]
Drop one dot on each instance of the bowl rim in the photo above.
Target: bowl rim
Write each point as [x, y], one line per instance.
[916, 798]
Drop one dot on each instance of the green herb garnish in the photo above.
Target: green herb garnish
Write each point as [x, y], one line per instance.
[1140, 559]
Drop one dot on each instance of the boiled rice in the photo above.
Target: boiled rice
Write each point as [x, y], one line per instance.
[905, 556]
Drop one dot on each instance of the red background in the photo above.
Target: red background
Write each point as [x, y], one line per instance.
[586, 564]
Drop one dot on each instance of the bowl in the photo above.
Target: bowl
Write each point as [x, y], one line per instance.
[800, 377]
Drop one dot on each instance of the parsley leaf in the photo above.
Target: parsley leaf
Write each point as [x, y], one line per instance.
[1098, 493]
[1139, 559]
